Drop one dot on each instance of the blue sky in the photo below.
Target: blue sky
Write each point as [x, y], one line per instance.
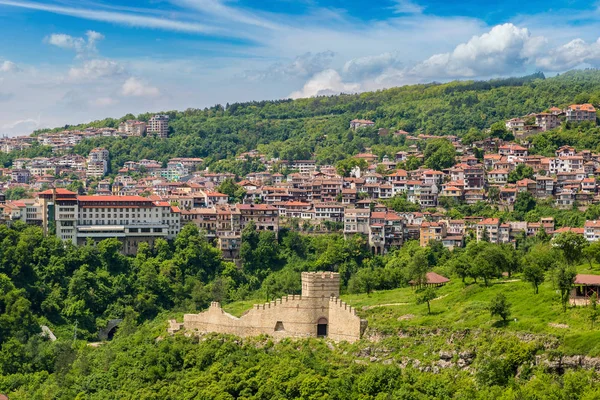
[71, 61]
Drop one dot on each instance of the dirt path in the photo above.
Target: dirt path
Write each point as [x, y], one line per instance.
[396, 304]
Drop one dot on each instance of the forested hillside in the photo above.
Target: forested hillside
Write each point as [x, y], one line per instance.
[296, 129]
[502, 328]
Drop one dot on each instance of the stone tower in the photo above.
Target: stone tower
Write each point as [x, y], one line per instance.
[320, 284]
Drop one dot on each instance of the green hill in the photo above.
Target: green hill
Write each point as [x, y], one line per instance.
[295, 129]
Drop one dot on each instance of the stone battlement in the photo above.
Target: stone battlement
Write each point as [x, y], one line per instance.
[317, 312]
[337, 302]
[320, 284]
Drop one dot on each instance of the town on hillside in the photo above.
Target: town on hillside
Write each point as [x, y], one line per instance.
[73, 197]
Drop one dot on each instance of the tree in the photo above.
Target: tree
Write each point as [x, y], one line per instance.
[417, 268]
[413, 163]
[500, 306]
[594, 312]
[363, 281]
[498, 130]
[425, 296]
[235, 192]
[344, 167]
[565, 276]
[534, 274]
[439, 154]
[571, 244]
[399, 203]
[493, 194]
[489, 262]
[524, 203]
[522, 171]
[592, 253]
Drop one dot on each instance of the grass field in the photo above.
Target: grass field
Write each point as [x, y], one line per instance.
[462, 306]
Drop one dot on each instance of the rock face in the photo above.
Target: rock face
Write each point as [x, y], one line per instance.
[560, 364]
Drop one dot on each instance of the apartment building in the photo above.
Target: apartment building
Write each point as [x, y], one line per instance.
[132, 128]
[97, 163]
[580, 113]
[591, 231]
[159, 125]
[547, 121]
[264, 216]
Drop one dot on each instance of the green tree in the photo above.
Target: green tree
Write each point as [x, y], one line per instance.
[524, 203]
[591, 253]
[234, 191]
[500, 306]
[534, 274]
[521, 171]
[593, 309]
[498, 130]
[571, 245]
[418, 267]
[565, 277]
[439, 154]
[344, 167]
[425, 296]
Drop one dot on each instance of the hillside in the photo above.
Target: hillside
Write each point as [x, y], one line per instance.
[296, 129]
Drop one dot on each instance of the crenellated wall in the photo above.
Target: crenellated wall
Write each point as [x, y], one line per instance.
[344, 324]
[290, 316]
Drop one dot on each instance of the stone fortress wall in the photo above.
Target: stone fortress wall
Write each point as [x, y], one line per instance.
[317, 312]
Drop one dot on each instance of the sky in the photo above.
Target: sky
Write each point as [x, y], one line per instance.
[73, 61]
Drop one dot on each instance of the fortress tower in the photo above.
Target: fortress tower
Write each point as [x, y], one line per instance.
[320, 284]
[318, 312]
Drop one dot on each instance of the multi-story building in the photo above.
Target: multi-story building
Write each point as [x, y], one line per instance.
[591, 231]
[264, 216]
[131, 219]
[132, 128]
[581, 113]
[159, 126]
[97, 163]
[431, 231]
[20, 175]
[547, 121]
[516, 126]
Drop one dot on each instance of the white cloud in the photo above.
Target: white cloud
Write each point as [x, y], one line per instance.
[325, 83]
[135, 87]
[95, 69]
[120, 18]
[504, 49]
[364, 67]
[407, 7]
[570, 55]
[303, 66]
[8, 66]
[83, 47]
[66, 41]
[217, 8]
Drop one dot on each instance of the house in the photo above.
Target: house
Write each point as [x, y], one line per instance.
[547, 121]
[516, 125]
[431, 231]
[580, 113]
[591, 231]
[361, 123]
